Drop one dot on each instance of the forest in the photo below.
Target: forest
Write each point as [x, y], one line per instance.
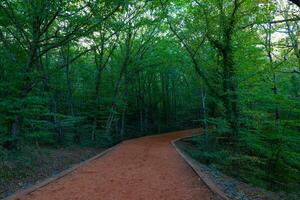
[92, 73]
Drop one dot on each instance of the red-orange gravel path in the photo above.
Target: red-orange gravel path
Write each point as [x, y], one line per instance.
[147, 168]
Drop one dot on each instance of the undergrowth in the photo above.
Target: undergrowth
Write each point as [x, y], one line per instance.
[272, 163]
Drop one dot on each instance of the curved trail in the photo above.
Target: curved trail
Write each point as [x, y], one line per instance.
[147, 168]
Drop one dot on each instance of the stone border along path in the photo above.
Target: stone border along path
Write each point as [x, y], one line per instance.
[147, 168]
[195, 166]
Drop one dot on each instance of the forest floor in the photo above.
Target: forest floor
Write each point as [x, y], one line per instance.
[147, 168]
[234, 186]
[27, 166]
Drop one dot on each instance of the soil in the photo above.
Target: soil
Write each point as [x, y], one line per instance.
[33, 165]
[147, 168]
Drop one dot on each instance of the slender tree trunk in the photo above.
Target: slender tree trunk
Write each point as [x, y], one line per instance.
[99, 66]
[141, 104]
[274, 78]
[123, 117]
[15, 128]
[123, 71]
[174, 101]
[204, 115]
[69, 82]
[275, 91]
[56, 122]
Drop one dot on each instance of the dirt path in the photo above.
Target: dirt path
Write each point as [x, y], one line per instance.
[141, 169]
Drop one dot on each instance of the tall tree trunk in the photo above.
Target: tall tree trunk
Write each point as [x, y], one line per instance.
[141, 104]
[69, 82]
[268, 44]
[15, 128]
[33, 64]
[99, 67]
[204, 115]
[123, 71]
[230, 91]
[123, 117]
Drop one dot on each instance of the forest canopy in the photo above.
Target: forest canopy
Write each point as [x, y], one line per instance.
[96, 72]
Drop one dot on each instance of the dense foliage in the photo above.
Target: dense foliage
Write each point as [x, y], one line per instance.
[101, 71]
[89, 71]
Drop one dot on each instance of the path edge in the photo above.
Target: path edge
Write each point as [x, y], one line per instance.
[17, 195]
[213, 187]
